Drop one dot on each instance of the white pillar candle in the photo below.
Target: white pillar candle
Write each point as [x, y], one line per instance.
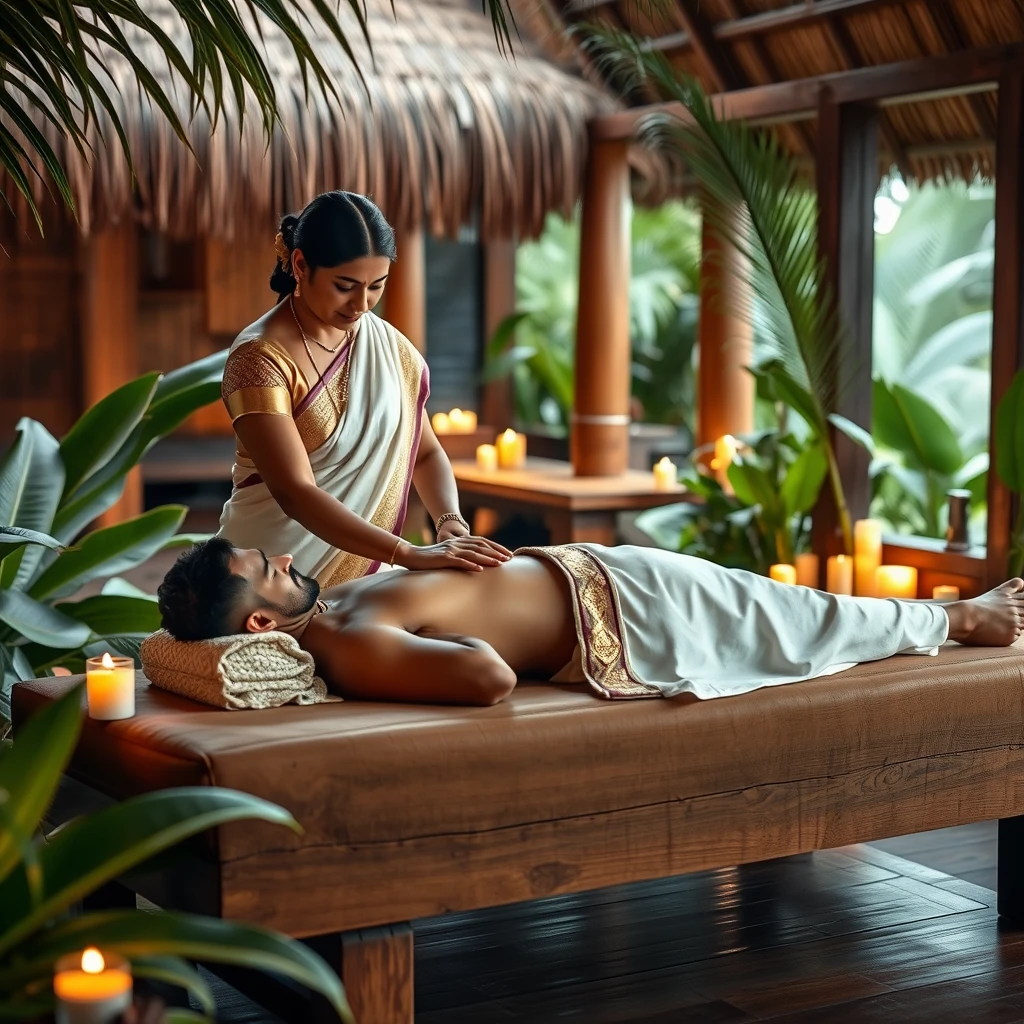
[725, 451]
[896, 581]
[487, 457]
[110, 686]
[441, 422]
[839, 575]
[783, 573]
[807, 567]
[511, 449]
[867, 554]
[946, 592]
[91, 988]
[666, 475]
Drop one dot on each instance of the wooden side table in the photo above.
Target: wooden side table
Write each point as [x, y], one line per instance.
[574, 509]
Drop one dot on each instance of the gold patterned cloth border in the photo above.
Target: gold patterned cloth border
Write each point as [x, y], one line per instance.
[598, 623]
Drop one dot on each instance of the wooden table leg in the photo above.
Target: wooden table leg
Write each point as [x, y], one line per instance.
[376, 970]
[1010, 871]
[581, 527]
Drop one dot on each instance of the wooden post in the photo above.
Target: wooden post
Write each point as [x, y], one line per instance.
[847, 175]
[497, 403]
[109, 305]
[405, 297]
[1007, 305]
[725, 389]
[600, 419]
[376, 970]
[1009, 876]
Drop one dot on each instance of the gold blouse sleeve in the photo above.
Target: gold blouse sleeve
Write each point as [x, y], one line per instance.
[257, 379]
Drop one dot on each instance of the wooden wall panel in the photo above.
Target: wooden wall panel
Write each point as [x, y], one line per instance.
[236, 286]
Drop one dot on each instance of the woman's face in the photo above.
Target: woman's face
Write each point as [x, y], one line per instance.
[341, 295]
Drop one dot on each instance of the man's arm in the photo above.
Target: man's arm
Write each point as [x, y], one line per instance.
[379, 662]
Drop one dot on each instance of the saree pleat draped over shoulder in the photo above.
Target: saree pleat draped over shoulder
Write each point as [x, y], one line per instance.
[360, 426]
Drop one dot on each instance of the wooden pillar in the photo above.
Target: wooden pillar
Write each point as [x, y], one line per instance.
[1007, 305]
[600, 419]
[376, 970]
[405, 298]
[109, 304]
[847, 176]
[725, 388]
[497, 401]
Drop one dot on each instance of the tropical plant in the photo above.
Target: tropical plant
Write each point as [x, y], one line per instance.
[1010, 462]
[43, 878]
[760, 519]
[739, 168]
[665, 258]
[51, 490]
[53, 52]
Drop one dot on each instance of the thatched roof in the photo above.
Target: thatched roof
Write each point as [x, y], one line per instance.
[736, 44]
[447, 132]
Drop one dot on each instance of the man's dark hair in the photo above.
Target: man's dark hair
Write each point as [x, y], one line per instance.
[200, 595]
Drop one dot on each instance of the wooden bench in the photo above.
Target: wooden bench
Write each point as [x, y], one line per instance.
[411, 812]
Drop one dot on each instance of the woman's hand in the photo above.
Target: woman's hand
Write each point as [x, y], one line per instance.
[470, 553]
[451, 529]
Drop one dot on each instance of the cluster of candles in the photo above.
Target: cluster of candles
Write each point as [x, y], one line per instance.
[863, 574]
[91, 988]
[458, 421]
[507, 452]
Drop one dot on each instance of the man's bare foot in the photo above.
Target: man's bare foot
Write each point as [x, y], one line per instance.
[995, 619]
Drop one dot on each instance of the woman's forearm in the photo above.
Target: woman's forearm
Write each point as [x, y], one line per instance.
[333, 522]
[435, 483]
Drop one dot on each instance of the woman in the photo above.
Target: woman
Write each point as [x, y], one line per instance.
[327, 403]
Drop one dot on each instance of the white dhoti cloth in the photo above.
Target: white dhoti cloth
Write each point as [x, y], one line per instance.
[655, 623]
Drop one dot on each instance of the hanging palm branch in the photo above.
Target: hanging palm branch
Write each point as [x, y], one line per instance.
[756, 202]
[54, 57]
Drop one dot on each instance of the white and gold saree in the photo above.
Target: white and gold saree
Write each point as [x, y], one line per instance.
[360, 426]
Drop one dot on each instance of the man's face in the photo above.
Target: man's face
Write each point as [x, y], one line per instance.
[283, 593]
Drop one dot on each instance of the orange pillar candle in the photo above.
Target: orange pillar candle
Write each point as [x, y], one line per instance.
[946, 592]
[807, 568]
[839, 575]
[896, 581]
[91, 988]
[487, 457]
[441, 422]
[511, 450]
[666, 475]
[110, 686]
[783, 573]
[867, 555]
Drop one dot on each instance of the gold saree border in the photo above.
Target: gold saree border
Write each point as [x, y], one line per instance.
[598, 623]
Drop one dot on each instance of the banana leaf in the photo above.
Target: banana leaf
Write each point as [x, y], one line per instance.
[1009, 439]
[909, 423]
[109, 614]
[39, 622]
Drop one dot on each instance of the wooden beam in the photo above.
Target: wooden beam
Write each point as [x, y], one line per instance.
[1007, 300]
[847, 175]
[887, 84]
[599, 442]
[109, 355]
[497, 404]
[719, 66]
[405, 296]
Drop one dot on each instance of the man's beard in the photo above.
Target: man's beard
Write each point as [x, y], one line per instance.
[305, 598]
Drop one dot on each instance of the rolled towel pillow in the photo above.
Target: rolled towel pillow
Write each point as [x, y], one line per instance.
[247, 671]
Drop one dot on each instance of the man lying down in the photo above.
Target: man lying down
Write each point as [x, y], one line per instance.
[630, 621]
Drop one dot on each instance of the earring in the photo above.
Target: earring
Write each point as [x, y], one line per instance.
[298, 287]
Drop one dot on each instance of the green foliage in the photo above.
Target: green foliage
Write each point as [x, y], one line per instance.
[776, 481]
[51, 490]
[1009, 445]
[537, 343]
[42, 879]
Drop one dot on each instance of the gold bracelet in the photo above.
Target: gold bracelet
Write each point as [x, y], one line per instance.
[391, 560]
[447, 517]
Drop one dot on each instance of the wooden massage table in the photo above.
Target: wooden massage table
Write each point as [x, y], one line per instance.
[412, 811]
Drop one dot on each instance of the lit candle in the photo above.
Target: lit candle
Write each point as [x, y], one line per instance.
[896, 581]
[441, 422]
[487, 457]
[867, 555]
[91, 989]
[946, 592]
[783, 573]
[725, 451]
[666, 475]
[461, 421]
[110, 685]
[511, 449]
[839, 575]
[807, 570]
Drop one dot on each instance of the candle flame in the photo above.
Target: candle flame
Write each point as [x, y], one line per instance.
[665, 461]
[107, 662]
[510, 435]
[92, 961]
